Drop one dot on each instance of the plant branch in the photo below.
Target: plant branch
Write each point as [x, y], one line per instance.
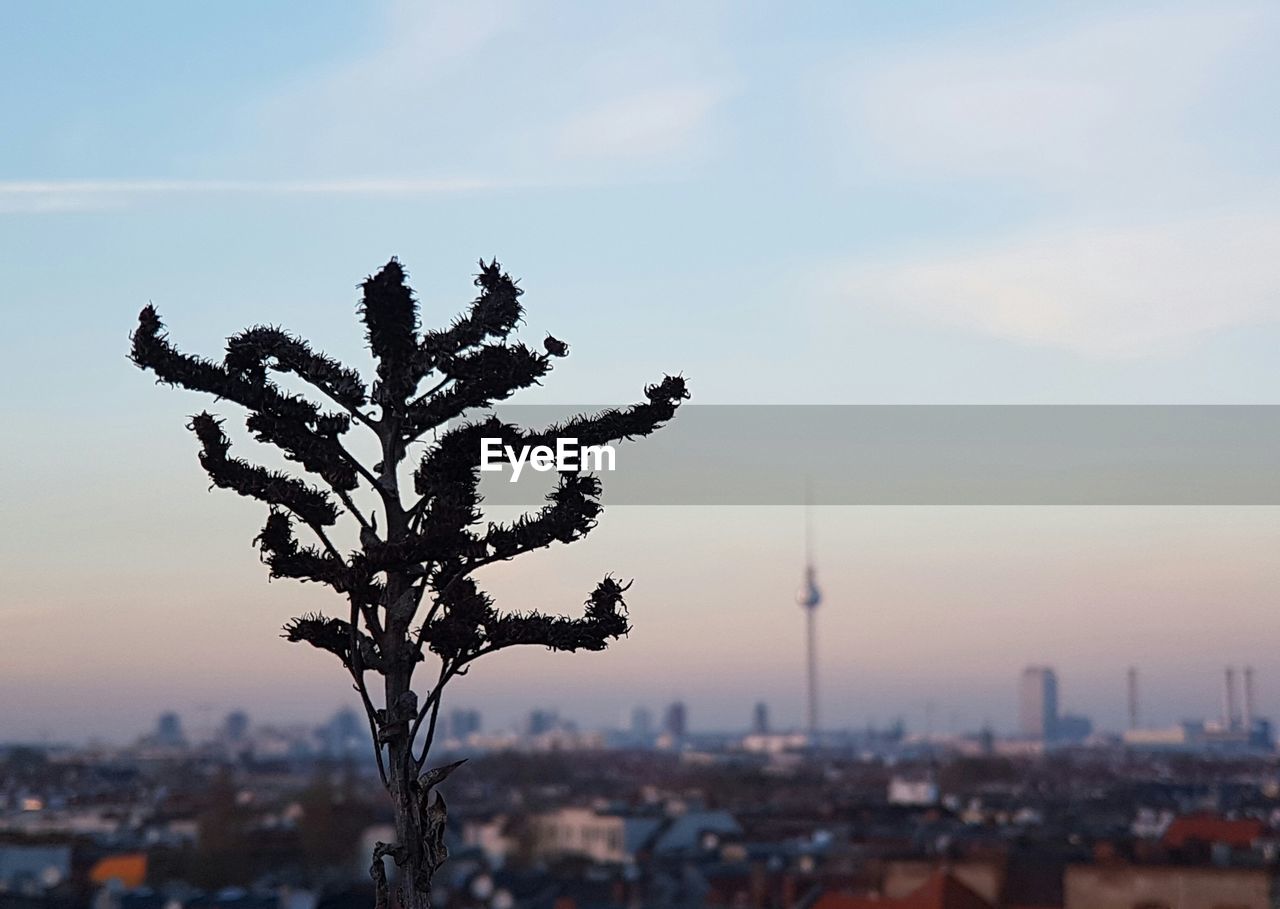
[357, 673]
[430, 706]
[426, 394]
[358, 466]
[345, 497]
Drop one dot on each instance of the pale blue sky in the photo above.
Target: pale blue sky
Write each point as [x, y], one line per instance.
[841, 202]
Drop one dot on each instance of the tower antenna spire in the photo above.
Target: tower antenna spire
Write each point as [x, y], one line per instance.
[808, 522]
[808, 597]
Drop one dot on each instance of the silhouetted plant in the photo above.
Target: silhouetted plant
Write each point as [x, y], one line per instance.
[409, 586]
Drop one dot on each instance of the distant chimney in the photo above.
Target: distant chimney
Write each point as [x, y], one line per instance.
[1250, 709]
[1230, 715]
[1133, 697]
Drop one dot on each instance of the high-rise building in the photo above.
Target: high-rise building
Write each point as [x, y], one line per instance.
[169, 731]
[1230, 708]
[641, 722]
[1134, 713]
[1038, 703]
[542, 721]
[760, 719]
[464, 723]
[1250, 707]
[345, 734]
[236, 726]
[676, 722]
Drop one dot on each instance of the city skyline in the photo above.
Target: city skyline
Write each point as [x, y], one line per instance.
[1038, 716]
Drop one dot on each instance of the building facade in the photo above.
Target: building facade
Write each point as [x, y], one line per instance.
[1038, 704]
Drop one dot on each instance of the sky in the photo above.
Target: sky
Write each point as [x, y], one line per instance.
[792, 203]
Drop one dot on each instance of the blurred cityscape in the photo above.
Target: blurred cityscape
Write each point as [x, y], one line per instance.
[657, 813]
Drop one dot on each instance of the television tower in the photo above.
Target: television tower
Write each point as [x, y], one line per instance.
[808, 597]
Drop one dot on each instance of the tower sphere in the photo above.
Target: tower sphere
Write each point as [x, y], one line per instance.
[808, 595]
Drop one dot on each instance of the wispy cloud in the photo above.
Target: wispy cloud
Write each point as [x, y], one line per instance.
[450, 88]
[36, 196]
[1112, 98]
[1118, 292]
[1115, 131]
[383, 107]
[644, 125]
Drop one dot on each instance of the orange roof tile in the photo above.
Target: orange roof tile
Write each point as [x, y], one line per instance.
[130, 869]
[941, 891]
[1210, 828]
